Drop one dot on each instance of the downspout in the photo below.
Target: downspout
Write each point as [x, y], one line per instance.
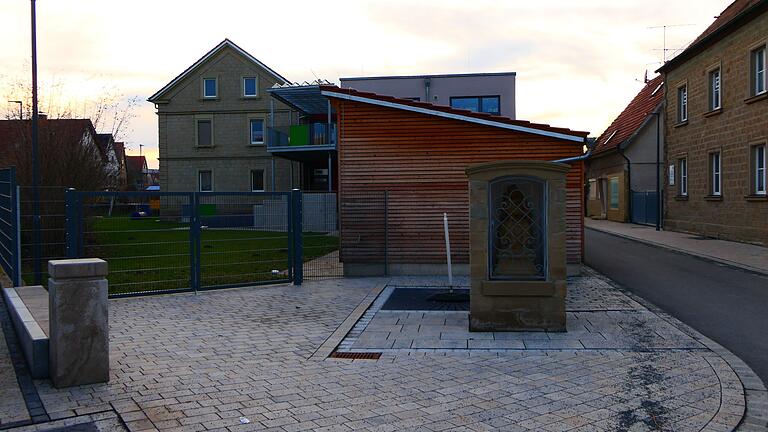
[659, 201]
[629, 180]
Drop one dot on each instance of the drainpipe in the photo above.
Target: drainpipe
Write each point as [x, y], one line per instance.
[629, 180]
[658, 174]
[427, 83]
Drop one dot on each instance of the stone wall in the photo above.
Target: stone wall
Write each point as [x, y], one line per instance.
[741, 123]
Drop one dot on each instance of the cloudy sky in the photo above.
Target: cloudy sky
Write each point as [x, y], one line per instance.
[578, 63]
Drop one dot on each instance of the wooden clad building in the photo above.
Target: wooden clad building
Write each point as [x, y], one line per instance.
[417, 153]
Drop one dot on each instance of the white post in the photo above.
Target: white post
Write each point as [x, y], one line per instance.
[448, 250]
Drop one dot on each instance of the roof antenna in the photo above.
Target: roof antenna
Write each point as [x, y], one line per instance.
[665, 49]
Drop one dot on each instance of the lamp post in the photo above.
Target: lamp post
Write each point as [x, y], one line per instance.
[36, 234]
[21, 108]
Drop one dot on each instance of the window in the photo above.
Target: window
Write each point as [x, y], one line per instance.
[257, 180]
[205, 181]
[714, 89]
[592, 189]
[758, 73]
[683, 168]
[250, 88]
[486, 104]
[210, 89]
[256, 131]
[758, 170]
[205, 133]
[682, 104]
[715, 180]
[614, 190]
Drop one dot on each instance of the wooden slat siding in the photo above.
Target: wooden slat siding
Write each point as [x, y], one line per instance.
[420, 160]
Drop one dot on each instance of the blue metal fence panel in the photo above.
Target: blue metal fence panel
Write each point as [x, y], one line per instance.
[10, 250]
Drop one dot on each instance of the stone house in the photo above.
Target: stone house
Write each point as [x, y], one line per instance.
[212, 126]
[621, 172]
[716, 127]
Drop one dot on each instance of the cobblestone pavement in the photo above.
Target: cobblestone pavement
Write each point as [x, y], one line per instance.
[237, 360]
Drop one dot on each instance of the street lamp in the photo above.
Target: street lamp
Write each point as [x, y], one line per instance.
[37, 232]
[21, 106]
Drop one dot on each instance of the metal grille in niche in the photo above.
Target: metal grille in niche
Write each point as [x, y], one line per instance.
[518, 228]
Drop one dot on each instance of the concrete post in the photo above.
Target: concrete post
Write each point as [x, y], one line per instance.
[79, 322]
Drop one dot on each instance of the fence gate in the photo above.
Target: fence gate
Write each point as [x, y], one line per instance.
[10, 247]
[162, 242]
[644, 207]
[320, 235]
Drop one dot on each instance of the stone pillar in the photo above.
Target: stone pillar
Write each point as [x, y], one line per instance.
[79, 323]
[517, 246]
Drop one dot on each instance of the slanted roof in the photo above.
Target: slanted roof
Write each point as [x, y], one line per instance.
[224, 44]
[120, 150]
[634, 116]
[735, 15]
[305, 97]
[453, 113]
[135, 164]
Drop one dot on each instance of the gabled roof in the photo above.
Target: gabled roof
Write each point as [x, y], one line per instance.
[224, 44]
[135, 164]
[735, 15]
[453, 113]
[634, 116]
[120, 151]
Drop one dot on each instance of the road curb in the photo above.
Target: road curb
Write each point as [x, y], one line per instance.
[755, 416]
[732, 264]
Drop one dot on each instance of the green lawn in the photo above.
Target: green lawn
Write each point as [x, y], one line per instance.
[149, 254]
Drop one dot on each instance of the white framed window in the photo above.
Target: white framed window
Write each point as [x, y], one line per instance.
[715, 176]
[758, 170]
[250, 87]
[256, 131]
[204, 132]
[682, 104]
[683, 169]
[758, 80]
[210, 88]
[257, 180]
[592, 189]
[205, 181]
[714, 90]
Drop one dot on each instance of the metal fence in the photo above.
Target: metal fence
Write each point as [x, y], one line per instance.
[10, 248]
[320, 235]
[163, 242]
[35, 254]
[364, 222]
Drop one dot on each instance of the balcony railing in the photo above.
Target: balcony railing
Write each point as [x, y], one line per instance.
[303, 136]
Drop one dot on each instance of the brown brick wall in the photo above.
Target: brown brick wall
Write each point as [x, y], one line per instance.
[740, 124]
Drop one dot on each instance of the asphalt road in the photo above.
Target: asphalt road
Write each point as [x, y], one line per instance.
[728, 305]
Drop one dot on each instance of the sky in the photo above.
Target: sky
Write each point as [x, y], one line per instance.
[578, 63]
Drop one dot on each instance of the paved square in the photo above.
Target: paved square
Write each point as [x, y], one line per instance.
[211, 361]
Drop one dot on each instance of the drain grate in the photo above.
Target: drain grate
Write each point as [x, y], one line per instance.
[356, 355]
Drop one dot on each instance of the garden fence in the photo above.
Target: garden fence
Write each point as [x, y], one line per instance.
[10, 248]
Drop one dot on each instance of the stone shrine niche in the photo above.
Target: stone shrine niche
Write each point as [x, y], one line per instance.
[518, 228]
[517, 246]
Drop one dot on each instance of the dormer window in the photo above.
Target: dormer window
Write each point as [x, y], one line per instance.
[210, 88]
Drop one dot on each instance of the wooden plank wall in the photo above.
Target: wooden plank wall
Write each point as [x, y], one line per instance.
[420, 160]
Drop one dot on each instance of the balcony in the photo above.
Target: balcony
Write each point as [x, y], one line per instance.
[302, 137]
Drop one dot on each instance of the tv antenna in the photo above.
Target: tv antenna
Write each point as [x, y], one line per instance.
[664, 31]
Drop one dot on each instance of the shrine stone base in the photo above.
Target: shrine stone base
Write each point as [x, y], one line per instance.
[517, 260]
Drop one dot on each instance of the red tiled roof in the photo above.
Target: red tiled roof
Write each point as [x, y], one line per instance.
[135, 163]
[734, 10]
[58, 132]
[451, 110]
[120, 150]
[731, 12]
[633, 116]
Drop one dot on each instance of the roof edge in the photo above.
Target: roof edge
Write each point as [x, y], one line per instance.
[575, 137]
[742, 18]
[221, 45]
[458, 75]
